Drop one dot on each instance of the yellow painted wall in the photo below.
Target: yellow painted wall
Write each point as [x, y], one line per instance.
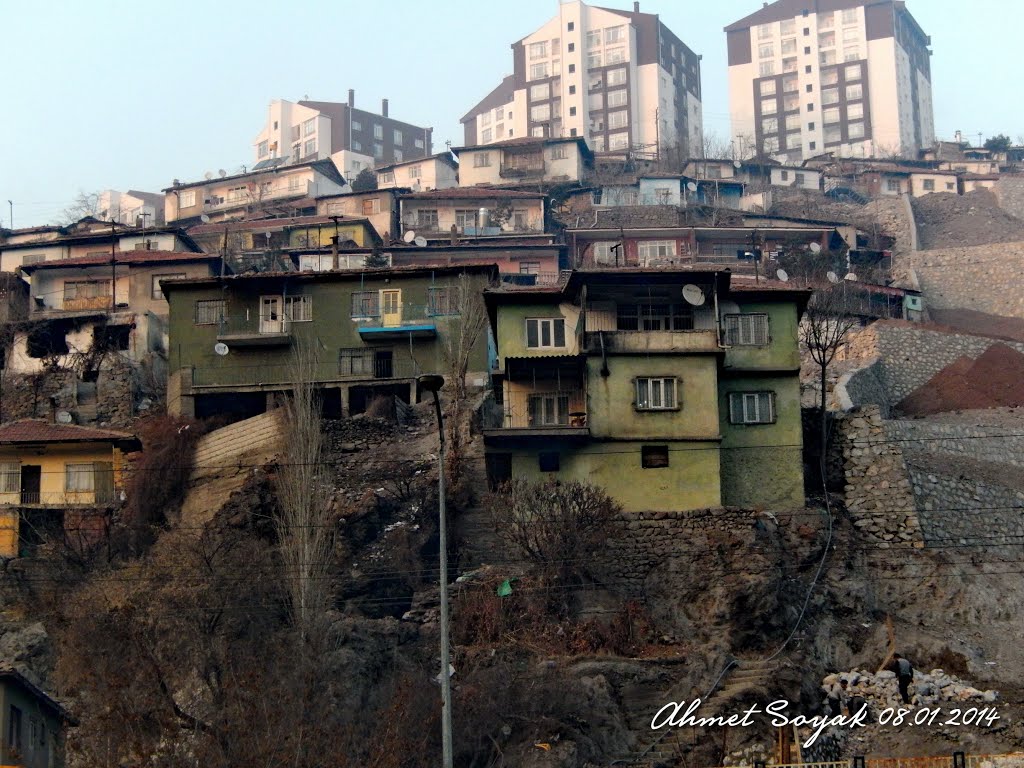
[53, 460]
[8, 534]
[311, 237]
[691, 481]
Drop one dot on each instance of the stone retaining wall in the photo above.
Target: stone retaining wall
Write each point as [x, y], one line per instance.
[225, 445]
[1002, 444]
[985, 278]
[879, 495]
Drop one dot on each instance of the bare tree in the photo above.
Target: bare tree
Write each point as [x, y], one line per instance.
[303, 518]
[823, 332]
[464, 331]
[84, 204]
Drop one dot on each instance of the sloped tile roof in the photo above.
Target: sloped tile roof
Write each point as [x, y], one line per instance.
[42, 431]
[122, 257]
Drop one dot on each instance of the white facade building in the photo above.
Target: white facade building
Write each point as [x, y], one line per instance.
[854, 80]
[619, 79]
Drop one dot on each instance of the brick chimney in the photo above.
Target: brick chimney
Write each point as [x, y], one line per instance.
[351, 97]
[636, 6]
[384, 107]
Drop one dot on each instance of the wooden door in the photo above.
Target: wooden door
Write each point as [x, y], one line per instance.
[391, 307]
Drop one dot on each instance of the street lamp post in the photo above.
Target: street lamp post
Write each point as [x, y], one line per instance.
[432, 383]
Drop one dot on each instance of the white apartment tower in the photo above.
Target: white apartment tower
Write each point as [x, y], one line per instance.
[851, 77]
[620, 79]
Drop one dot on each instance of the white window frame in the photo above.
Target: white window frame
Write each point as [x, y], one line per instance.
[548, 409]
[186, 198]
[545, 326]
[10, 477]
[298, 308]
[481, 159]
[617, 76]
[750, 330]
[655, 249]
[656, 393]
[750, 408]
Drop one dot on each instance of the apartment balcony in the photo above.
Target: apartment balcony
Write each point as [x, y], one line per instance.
[525, 281]
[57, 499]
[79, 303]
[352, 366]
[543, 411]
[255, 330]
[398, 321]
[642, 342]
[522, 170]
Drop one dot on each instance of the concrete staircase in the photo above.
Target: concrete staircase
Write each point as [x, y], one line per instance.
[664, 749]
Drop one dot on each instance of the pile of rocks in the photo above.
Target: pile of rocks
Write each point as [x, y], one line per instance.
[929, 689]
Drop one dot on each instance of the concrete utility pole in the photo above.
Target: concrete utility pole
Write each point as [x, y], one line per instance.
[432, 383]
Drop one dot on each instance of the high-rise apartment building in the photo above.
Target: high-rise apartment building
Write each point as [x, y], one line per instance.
[846, 76]
[354, 138]
[620, 79]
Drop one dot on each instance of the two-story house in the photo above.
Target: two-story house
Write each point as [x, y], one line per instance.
[378, 206]
[278, 190]
[50, 472]
[116, 303]
[372, 332]
[438, 171]
[526, 160]
[674, 389]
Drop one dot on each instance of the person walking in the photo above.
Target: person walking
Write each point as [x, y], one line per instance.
[904, 675]
[835, 695]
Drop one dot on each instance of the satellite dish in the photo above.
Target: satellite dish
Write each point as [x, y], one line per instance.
[693, 295]
[409, 236]
[783, 275]
[205, 219]
[222, 173]
[815, 248]
[208, 175]
[63, 417]
[737, 164]
[421, 242]
[221, 348]
[692, 186]
[851, 276]
[832, 277]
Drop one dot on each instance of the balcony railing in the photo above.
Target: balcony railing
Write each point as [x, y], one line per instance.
[255, 329]
[548, 410]
[382, 321]
[521, 170]
[611, 342]
[58, 498]
[368, 367]
[525, 281]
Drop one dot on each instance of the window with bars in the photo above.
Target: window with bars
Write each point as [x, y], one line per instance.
[545, 333]
[443, 301]
[656, 394]
[10, 477]
[355, 362]
[365, 304]
[752, 407]
[209, 311]
[746, 330]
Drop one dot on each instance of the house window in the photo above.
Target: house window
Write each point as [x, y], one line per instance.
[850, 16]
[616, 99]
[656, 394]
[767, 68]
[79, 477]
[482, 160]
[365, 304]
[357, 147]
[529, 267]
[415, 171]
[929, 185]
[397, 136]
[618, 119]
[540, 112]
[571, 26]
[654, 456]
[614, 35]
[398, 156]
[263, 149]
[486, 135]
[539, 50]
[545, 333]
[594, 38]
[605, 252]
[548, 409]
[614, 55]
[855, 91]
[855, 130]
[653, 317]
[789, 46]
[10, 477]
[766, 51]
[784, 175]
[770, 125]
[309, 127]
[443, 301]
[426, 218]
[14, 728]
[538, 71]
[209, 311]
[85, 289]
[378, 150]
[371, 206]
[187, 198]
[800, 179]
[355, 362]
[752, 407]
[378, 131]
[540, 92]
[298, 309]
[547, 461]
[892, 185]
[466, 218]
[765, 31]
[854, 111]
[767, 87]
[418, 143]
[520, 221]
[769, 107]
[656, 249]
[746, 330]
[310, 147]
[159, 294]
[616, 76]
[356, 125]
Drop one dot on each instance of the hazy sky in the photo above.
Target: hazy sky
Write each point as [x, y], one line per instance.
[116, 95]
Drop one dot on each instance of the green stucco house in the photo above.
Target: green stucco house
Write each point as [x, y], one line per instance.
[674, 389]
[373, 331]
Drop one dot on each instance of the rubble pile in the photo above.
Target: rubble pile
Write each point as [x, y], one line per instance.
[962, 220]
[928, 689]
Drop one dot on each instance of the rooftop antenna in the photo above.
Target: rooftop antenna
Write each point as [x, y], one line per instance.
[851, 277]
[421, 242]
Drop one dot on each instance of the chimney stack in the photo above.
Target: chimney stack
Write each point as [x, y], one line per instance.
[351, 97]
[334, 253]
[384, 107]
[636, 6]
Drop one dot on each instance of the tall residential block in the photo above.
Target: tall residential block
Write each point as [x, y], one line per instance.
[851, 77]
[354, 138]
[620, 79]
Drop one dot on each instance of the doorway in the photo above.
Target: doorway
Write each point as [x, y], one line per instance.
[31, 478]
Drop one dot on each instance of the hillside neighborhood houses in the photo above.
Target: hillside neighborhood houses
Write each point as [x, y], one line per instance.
[643, 291]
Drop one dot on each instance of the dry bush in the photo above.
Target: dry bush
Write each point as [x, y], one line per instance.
[158, 480]
[557, 526]
[381, 407]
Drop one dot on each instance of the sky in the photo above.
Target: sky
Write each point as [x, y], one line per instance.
[120, 95]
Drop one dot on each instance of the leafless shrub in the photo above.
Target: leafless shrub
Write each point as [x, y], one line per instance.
[381, 407]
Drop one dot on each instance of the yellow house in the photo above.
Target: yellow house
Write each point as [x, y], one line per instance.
[46, 468]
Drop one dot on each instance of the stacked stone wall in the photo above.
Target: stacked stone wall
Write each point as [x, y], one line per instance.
[1001, 443]
[983, 278]
[1010, 193]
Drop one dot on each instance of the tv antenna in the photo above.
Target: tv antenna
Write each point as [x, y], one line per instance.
[204, 218]
[208, 175]
[852, 277]
[222, 173]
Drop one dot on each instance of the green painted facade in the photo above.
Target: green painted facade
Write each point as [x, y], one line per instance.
[686, 455]
[396, 335]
